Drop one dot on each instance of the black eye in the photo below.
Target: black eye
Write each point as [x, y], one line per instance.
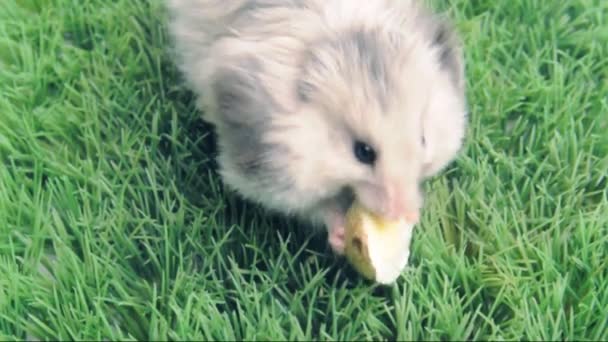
[423, 141]
[364, 153]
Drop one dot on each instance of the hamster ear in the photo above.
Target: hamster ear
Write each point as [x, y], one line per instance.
[244, 107]
[450, 51]
[239, 96]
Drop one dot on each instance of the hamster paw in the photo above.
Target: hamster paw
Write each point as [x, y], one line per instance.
[334, 217]
[336, 239]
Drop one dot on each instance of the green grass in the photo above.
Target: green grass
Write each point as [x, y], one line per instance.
[114, 224]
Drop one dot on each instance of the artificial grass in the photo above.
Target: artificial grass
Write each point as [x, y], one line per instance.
[114, 224]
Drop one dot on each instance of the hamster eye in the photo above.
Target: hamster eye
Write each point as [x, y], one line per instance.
[423, 141]
[364, 153]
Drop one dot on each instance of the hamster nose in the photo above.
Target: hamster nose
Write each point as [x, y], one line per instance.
[397, 207]
[410, 216]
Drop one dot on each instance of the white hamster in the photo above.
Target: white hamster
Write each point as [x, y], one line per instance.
[318, 102]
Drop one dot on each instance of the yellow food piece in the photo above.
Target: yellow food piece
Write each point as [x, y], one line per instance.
[378, 249]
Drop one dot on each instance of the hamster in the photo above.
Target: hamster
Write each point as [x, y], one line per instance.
[317, 103]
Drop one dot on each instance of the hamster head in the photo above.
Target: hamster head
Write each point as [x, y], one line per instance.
[383, 111]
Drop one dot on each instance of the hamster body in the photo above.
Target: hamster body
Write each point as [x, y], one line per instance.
[319, 102]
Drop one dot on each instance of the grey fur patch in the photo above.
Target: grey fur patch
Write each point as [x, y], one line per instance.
[245, 110]
[364, 49]
[305, 90]
[237, 89]
[450, 57]
[371, 54]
